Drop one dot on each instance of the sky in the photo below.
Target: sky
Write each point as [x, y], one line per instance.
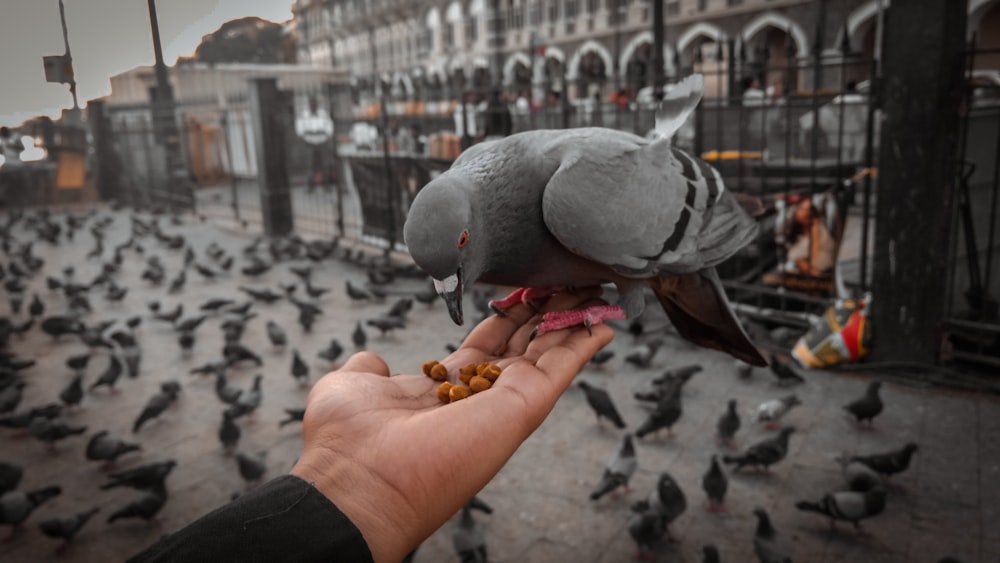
[106, 37]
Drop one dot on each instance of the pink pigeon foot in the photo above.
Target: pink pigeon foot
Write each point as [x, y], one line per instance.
[521, 295]
[555, 320]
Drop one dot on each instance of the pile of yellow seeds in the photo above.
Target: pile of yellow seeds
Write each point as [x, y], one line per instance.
[475, 378]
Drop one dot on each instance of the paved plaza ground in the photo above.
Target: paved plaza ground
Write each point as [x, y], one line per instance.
[947, 503]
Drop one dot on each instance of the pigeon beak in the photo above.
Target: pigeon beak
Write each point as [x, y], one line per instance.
[450, 289]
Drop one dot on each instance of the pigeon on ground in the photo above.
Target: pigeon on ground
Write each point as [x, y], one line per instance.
[22, 418]
[252, 468]
[276, 334]
[400, 308]
[332, 352]
[78, 362]
[57, 326]
[37, 307]
[66, 527]
[256, 268]
[670, 382]
[72, 394]
[590, 206]
[236, 353]
[146, 506]
[177, 284]
[215, 305]
[601, 356]
[189, 324]
[774, 410]
[359, 337]
[667, 501]
[357, 293]
[765, 453]
[51, 431]
[172, 316]
[889, 463]
[10, 476]
[857, 475]
[229, 432]
[728, 424]
[149, 476]
[300, 369]
[785, 373]
[156, 405]
[866, 408]
[641, 356]
[209, 368]
[715, 483]
[618, 470]
[427, 296]
[16, 506]
[107, 448]
[767, 544]
[314, 291]
[224, 391]
[710, 554]
[386, 324]
[248, 400]
[11, 395]
[667, 412]
[468, 538]
[264, 295]
[646, 530]
[292, 415]
[850, 506]
[601, 402]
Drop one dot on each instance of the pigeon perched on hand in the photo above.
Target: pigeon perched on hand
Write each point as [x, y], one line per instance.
[618, 470]
[867, 407]
[583, 207]
[601, 402]
[765, 453]
[850, 506]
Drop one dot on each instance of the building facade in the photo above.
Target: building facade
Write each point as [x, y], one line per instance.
[437, 49]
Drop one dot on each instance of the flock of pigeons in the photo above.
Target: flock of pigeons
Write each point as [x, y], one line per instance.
[98, 350]
[101, 344]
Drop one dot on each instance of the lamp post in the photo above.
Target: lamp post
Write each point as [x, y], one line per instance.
[658, 62]
[69, 57]
[164, 124]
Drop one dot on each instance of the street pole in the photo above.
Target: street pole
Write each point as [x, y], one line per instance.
[497, 43]
[69, 57]
[164, 123]
[658, 62]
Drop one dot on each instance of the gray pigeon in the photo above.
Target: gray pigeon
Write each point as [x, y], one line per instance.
[867, 407]
[110, 375]
[715, 484]
[468, 539]
[587, 206]
[772, 411]
[601, 402]
[10, 476]
[641, 355]
[667, 412]
[252, 468]
[276, 335]
[850, 506]
[857, 475]
[765, 453]
[728, 424]
[224, 391]
[105, 447]
[300, 369]
[16, 506]
[889, 463]
[667, 501]
[767, 544]
[156, 405]
[248, 400]
[618, 470]
[51, 431]
[229, 432]
[359, 337]
[66, 527]
[145, 507]
[646, 530]
[72, 394]
[146, 477]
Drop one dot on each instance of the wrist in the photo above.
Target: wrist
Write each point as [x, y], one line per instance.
[343, 483]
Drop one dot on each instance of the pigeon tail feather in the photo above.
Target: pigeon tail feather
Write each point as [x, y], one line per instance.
[678, 104]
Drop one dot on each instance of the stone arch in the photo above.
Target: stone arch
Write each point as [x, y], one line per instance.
[573, 68]
[629, 51]
[510, 63]
[779, 21]
[697, 30]
[977, 9]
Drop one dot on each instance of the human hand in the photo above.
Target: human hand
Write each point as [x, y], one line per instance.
[399, 463]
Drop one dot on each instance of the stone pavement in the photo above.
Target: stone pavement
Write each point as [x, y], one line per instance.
[946, 504]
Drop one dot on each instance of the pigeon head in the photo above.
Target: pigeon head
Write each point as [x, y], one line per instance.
[439, 235]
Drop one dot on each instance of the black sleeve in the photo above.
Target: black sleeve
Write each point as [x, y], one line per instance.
[286, 519]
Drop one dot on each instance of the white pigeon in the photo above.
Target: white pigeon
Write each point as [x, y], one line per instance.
[774, 410]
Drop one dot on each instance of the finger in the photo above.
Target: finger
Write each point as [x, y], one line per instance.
[366, 362]
[491, 335]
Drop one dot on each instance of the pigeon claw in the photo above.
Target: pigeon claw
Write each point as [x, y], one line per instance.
[521, 295]
[556, 320]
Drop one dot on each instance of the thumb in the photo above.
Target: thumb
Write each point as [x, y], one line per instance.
[366, 362]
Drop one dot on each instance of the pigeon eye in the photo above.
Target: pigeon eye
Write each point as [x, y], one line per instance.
[463, 239]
